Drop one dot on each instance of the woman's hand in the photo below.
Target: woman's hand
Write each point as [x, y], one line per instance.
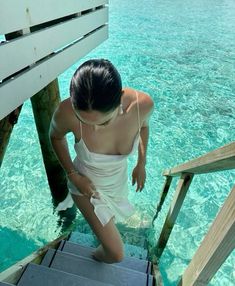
[139, 176]
[84, 185]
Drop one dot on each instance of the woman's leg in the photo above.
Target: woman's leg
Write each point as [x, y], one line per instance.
[111, 248]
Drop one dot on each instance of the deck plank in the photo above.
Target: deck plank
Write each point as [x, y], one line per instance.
[47, 259]
[103, 272]
[38, 275]
[128, 262]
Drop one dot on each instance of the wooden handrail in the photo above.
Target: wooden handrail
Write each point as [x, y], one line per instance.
[219, 241]
[215, 247]
[220, 159]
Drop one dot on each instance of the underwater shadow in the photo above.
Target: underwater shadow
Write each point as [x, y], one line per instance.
[15, 246]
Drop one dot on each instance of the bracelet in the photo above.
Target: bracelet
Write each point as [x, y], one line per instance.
[71, 173]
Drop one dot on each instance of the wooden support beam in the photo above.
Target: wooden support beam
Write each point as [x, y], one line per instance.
[180, 193]
[6, 128]
[44, 104]
[164, 193]
[215, 247]
[217, 160]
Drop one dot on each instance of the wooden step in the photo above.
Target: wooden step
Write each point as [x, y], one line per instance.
[128, 262]
[38, 275]
[103, 272]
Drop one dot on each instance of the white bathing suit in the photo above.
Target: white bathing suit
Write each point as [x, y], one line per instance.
[109, 175]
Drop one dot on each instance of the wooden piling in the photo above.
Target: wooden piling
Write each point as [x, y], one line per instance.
[6, 128]
[44, 104]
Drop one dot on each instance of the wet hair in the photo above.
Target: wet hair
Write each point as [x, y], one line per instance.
[96, 85]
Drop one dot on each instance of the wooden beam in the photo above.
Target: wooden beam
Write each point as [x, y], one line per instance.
[217, 160]
[164, 193]
[215, 248]
[15, 91]
[36, 46]
[6, 128]
[44, 104]
[173, 212]
[23, 14]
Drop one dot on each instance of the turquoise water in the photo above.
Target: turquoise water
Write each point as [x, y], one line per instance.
[182, 53]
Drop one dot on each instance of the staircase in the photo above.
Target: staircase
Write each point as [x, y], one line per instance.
[72, 264]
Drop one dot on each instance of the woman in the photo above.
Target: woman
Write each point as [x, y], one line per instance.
[109, 123]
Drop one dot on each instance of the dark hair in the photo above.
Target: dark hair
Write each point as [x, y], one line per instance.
[96, 85]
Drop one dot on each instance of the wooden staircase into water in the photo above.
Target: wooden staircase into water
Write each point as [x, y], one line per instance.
[67, 262]
[70, 263]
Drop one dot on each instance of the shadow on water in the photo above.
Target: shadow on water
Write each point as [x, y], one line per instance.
[66, 219]
[14, 247]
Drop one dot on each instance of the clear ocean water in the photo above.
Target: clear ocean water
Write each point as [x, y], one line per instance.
[183, 54]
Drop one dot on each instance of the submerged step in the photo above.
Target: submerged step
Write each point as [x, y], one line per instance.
[103, 272]
[128, 262]
[38, 275]
[135, 251]
[133, 247]
[5, 284]
[84, 239]
[133, 238]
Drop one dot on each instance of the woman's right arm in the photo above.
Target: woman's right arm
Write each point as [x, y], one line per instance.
[57, 133]
[59, 127]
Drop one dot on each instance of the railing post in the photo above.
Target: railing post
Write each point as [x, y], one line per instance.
[215, 247]
[164, 193]
[180, 193]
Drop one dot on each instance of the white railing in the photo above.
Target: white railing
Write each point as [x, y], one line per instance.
[43, 39]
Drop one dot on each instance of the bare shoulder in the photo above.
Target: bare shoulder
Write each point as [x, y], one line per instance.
[63, 112]
[146, 103]
[62, 118]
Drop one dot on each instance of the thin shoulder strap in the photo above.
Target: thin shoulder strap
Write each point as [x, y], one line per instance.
[80, 128]
[138, 109]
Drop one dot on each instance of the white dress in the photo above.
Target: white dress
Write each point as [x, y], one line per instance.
[109, 175]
